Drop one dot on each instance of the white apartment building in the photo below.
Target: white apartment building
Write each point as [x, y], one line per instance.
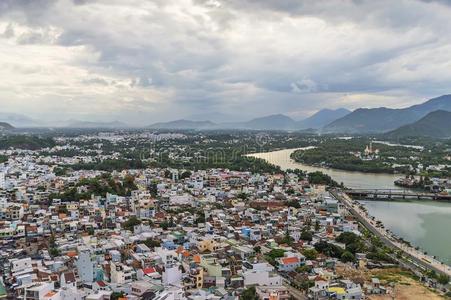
[85, 265]
[2, 180]
[261, 274]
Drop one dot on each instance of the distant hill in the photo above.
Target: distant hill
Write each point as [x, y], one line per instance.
[436, 124]
[377, 120]
[184, 124]
[18, 120]
[322, 118]
[272, 122]
[85, 124]
[5, 126]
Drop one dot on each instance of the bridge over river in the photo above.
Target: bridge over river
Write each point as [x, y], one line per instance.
[384, 194]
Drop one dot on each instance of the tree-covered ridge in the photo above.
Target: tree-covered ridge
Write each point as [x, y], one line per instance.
[25, 142]
[436, 124]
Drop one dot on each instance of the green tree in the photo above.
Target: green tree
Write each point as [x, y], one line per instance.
[443, 279]
[242, 196]
[272, 255]
[294, 203]
[347, 257]
[117, 295]
[164, 225]
[151, 243]
[185, 174]
[306, 285]
[131, 223]
[53, 247]
[353, 242]
[310, 254]
[60, 171]
[306, 235]
[304, 269]
[249, 294]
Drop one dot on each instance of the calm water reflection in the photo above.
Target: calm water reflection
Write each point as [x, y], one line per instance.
[424, 223]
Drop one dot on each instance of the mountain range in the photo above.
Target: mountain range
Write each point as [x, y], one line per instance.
[86, 124]
[22, 121]
[359, 121]
[17, 120]
[435, 124]
[183, 124]
[271, 122]
[379, 120]
[5, 126]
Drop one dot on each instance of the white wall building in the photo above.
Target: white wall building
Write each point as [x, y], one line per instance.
[261, 274]
[2, 180]
[85, 265]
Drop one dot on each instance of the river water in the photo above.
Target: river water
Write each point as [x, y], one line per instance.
[350, 179]
[424, 223]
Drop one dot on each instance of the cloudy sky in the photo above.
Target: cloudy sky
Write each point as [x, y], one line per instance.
[142, 61]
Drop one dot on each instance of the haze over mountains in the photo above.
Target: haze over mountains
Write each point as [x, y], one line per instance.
[84, 124]
[183, 124]
[379, 120]
[22, 121]
[359, 121]
[271, 122]
[5, 126]
[17, 120]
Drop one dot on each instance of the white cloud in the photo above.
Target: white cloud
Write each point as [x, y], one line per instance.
[142, 61]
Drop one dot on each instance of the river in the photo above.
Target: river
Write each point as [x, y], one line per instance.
[423, 223]
[350, 179]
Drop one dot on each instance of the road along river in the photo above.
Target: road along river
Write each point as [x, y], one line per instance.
[421, 222]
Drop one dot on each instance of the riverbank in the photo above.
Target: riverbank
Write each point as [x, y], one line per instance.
[417, 258]
[423, 223]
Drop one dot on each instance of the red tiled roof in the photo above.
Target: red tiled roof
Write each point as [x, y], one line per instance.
[101, 283]
[50, 294]
[196, 259]
[149, 271]
[290, 260]
[71, 253]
